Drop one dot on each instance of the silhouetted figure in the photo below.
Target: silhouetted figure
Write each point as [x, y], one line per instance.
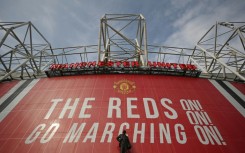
[124, 142]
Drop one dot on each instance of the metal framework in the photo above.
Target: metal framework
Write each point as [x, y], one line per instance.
[75, 54]
[220, 53]
[122, 37]
[26, 54]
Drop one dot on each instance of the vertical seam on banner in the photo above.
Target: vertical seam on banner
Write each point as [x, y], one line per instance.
[228, 97]
[17, 99]
[10, 92]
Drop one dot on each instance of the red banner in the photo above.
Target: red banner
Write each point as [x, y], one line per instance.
[6, 86]
[86, 114]
[125, 64]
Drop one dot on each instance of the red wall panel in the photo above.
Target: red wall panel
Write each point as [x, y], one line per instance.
[240, 87]
[184, 115]
[6, 86]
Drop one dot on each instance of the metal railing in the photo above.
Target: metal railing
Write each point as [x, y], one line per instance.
[25, 53]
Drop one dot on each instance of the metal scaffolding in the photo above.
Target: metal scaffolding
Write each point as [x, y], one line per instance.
[26, 54]
[220, 53]
[122, 37]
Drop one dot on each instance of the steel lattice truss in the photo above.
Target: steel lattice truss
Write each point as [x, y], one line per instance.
[123, 38]
[25, 53]
[221, 51]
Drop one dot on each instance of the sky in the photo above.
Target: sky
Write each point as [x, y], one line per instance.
[66, 23]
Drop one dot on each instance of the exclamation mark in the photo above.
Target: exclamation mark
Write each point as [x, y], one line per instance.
[217, 131]
[207, 117]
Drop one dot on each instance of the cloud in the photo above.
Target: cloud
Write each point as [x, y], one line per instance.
[178, 23]
[188, 15]
[180, 3]
[193, 23]
[75, 22]
[47, 21]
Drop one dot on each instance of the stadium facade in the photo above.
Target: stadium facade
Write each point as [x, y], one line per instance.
[79, 99]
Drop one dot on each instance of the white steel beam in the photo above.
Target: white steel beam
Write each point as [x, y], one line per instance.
[222, 63]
